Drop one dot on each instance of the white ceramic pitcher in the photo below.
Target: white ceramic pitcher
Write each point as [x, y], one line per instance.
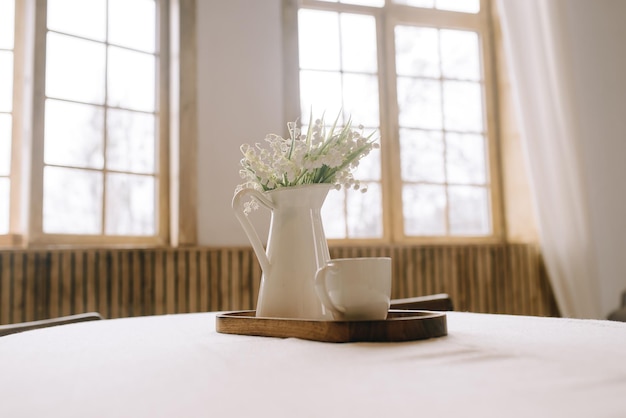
[296, 248]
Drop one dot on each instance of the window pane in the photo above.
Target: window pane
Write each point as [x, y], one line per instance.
[4, 205]
[131, 80]
[369, 166]
[417, 51]
[466, 6]
[72, 201]
[319, 49]
[358, 39]
[62, 17]
[424, 208]
[417, 3]
[422, 156]
[5, 144]
[365, 212]
[360, 94]
[75, 69]
[130, 206]
[73, 134]
[372, 3]
[463, 106]
[469, 210]
[320, 92]
[7, 19]
[460, 55]
[131, 142]
[6, 81]
[132, 24]
[419, 102]
[465, 156]
[333, 215]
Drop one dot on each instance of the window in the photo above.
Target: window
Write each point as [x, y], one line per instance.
[89, 144]
[7, 12]
[343, 74]
[416, 72]
[100, 113]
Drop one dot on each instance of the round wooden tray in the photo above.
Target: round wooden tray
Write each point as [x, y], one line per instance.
[400, 325]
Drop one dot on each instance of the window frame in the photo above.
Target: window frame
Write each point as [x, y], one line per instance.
[387, 17]
[176, 132]
[9, 237]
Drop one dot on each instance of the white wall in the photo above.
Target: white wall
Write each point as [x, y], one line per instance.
[240, 100]
[597, 35]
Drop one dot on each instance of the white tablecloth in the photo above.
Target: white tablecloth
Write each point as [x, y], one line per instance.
[178, 366]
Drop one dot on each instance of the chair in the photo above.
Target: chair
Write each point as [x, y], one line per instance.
[44, 323]
[438, 302]
[619, 314]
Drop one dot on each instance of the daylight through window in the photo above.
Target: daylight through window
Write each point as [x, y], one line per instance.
[100, 118]
[413, 71]
[82, 107]
[7, 12]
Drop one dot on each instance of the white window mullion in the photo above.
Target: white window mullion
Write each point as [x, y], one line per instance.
[35, 230]
[390, 147]
[105, 137]
[444, 141]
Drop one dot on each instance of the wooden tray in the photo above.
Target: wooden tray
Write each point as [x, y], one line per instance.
[400, 325]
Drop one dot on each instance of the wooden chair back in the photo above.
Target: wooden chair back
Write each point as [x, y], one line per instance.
[438, 302]
[44, 323]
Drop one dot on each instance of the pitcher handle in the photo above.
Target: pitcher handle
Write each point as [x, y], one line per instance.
[238, 206]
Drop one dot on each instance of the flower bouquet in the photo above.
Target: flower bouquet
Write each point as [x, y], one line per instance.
[321, 155]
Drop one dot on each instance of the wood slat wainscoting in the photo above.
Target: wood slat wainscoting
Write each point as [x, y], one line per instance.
[40, 284]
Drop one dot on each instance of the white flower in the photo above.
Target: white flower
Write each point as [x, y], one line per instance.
[319, 155]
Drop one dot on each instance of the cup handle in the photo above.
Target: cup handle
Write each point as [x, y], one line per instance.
[322, 291]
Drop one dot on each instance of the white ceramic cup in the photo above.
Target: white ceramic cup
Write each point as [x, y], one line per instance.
[355, 289]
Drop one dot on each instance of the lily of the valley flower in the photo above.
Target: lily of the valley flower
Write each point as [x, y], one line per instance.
[321, 155]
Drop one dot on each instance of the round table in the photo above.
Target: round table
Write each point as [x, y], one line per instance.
[179, 366]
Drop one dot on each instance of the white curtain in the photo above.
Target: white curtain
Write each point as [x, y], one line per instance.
[537, 52]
